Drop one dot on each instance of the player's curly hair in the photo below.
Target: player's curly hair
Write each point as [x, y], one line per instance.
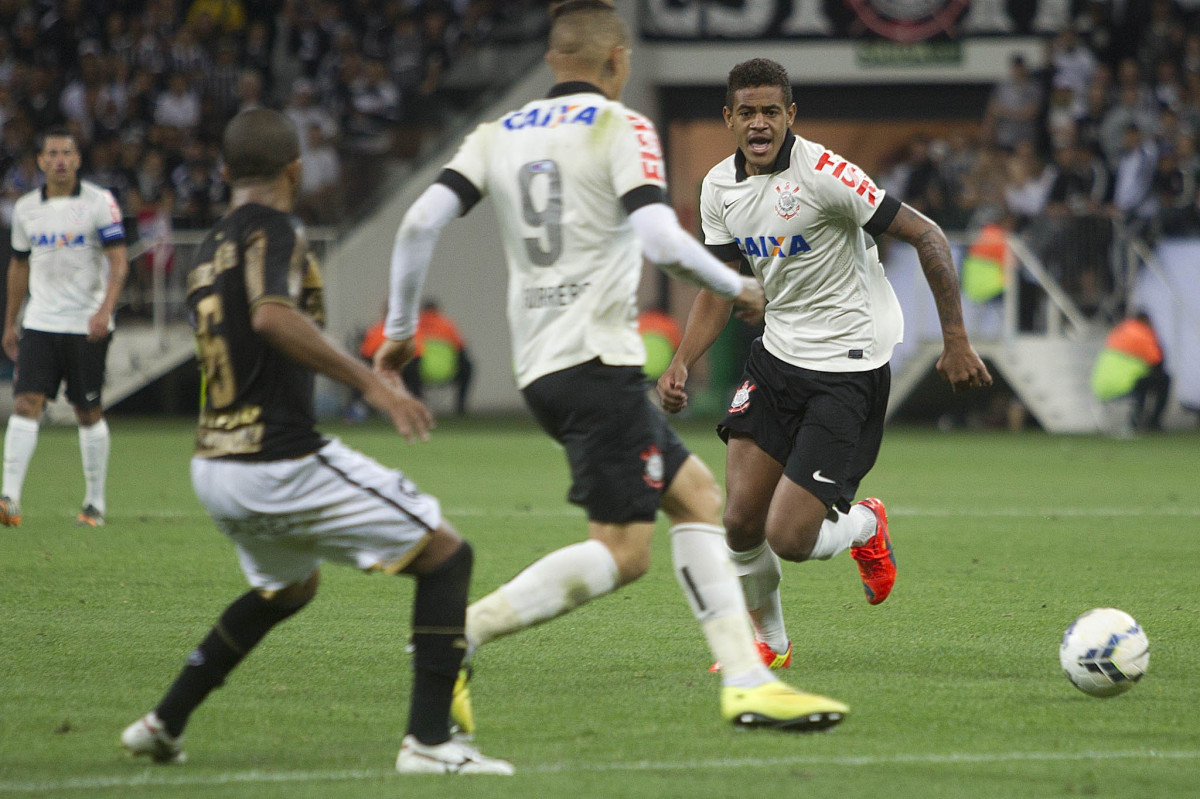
[258, 144]
[758, 72]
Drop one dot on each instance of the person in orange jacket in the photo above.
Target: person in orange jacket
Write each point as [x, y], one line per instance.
[1133, 345]
[448, 362]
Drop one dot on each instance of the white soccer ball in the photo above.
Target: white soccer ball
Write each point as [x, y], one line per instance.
[1104, 652]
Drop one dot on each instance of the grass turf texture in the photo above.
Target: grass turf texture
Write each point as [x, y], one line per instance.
[954, 682]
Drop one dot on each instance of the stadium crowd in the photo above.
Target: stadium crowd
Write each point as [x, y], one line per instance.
[1097, 146]
[148, 85]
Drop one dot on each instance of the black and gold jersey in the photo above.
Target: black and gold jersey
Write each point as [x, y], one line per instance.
[257, 404]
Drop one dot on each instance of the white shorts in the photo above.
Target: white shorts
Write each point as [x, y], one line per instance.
[286, 517]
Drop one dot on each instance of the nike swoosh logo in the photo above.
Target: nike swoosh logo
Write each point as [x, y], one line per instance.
[731, 202]
[820, 478]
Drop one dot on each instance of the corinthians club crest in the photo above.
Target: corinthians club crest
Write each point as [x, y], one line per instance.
[741, 398]
[788, 204]
[908, 21]
[653, 470]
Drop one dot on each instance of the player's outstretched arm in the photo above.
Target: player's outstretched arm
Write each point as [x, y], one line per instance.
[412, 252]
[959, 364]
[705, 322]
[672, 249]
[295, 335]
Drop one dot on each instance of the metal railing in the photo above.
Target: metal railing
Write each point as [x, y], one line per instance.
[162, 299]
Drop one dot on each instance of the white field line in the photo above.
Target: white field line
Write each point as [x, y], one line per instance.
[566, 511]
[169, 776]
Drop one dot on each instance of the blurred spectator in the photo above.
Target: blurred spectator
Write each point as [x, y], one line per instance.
[256, 52]
[249, 90]
[1134, 199]
[304, 112]
[1091, 117]
[186, 55]
[1128, 112]
[372, 110]
[320, 187]
[220, 82]
[1176, 183]
[152, 228]
[1131, 366]
[1162, 38]
[1078, 232]
[1072, 64]
[179, 105]
[1013, 108]
[1062, 113]
[1027, 184]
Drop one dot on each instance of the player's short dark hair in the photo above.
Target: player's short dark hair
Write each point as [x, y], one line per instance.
[56, 132]
[758, 72]
[259, 144]
[567, 6]
[586, 28]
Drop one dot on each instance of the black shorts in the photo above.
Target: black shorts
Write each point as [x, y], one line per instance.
[824, 427]
[45, 360]
[622, 452]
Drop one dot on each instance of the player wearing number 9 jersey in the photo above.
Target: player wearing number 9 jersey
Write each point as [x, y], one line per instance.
[578, 184]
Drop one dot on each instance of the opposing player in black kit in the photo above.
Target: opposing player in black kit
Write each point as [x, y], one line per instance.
[287, 497]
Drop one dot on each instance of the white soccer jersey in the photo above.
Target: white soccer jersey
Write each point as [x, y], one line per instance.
[64, 237]
[829, 306]
[564, 173]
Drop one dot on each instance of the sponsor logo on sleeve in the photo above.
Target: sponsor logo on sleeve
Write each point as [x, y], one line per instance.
[649, 149]
[848, 174]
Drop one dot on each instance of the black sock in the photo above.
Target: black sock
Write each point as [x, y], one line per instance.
[243, 624]
[439, 616]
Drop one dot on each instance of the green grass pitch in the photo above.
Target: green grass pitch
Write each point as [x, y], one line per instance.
[954, 682]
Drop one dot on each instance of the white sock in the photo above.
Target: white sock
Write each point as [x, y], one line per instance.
[706, 575]
[851, 529]
[547, 588]
[93, 448]
[20, 440]
[759, 572]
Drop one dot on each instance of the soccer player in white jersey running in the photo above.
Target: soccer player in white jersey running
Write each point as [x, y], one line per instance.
[578, 184]
[805, 424]
[68, 256]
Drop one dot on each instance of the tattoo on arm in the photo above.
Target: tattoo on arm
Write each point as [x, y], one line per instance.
[938, 264]
[933, 251]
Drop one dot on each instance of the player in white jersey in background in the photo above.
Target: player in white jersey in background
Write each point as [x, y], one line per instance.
[69, 258]
[578, 185]
[805, 424]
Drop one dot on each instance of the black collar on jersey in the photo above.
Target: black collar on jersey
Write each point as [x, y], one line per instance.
[75, 192]
[573, 87]
[781, 160]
